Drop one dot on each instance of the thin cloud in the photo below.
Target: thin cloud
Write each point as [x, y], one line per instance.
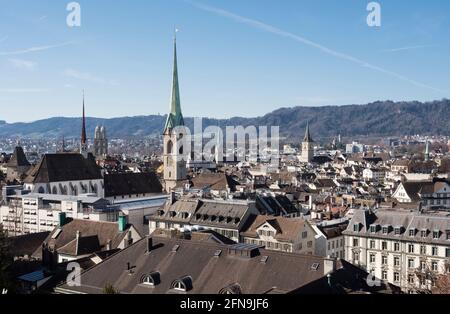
[408, 48]
[277, 31]
[24, 90]
[42, 18]
[23, 64]
[34, 49]
[86, 76]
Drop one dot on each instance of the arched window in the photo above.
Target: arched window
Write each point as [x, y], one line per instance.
[181, 151]
[231, 289]
[54, 190]
[183, 284]
[41, 190]
[95, 188]
[169, 147]
[152, 279]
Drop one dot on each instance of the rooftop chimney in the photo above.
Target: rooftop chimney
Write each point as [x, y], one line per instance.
[108, 245]
[78, 234]
[329, 266]
[122, 223]
[149, 244]
[172, 197]
[61, 219]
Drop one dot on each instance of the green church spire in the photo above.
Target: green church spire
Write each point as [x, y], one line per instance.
[175, 117]
[308, 138]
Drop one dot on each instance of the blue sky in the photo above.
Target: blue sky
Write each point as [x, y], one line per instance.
[236, 57]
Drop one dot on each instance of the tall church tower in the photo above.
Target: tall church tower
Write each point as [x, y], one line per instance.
[83, 142]
[174, 161]
[307, 147]
[100, 142]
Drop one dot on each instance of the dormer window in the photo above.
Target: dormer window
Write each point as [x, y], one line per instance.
[183, 284]
[152, 279]
[385, 229]
[424, 233]
[356, 227]
[398, 230]
[412, 232]
[436, 234]
[373, 228]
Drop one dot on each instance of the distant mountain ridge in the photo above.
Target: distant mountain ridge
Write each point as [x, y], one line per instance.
[382, 118]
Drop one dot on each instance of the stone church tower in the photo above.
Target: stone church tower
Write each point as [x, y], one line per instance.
[100, 142]
[307, 147]
[174, 161]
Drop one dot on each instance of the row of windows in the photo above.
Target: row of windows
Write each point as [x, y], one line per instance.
[397, 247]
[411, 262]
[335, 244]
[399, 230]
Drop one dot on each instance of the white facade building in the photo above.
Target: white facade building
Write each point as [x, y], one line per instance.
[400, 246]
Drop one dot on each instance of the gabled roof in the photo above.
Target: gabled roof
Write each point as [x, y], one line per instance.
[93, 234]
[288, 229]
[213, 181]
[81, 246]
[64, 167]
[18, 158]
[208, 273]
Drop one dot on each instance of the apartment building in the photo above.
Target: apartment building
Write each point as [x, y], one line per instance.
[401, 247]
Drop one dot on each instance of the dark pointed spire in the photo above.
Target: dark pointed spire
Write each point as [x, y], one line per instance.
[175, 117]
[307, 138]
[83, 144]
[83, 127]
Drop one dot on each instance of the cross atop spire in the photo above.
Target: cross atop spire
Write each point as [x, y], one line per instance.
[175, 117]
[308, 138]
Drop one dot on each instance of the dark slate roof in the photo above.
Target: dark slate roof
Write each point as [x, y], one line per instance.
[209, 274]
[213, 181]
[208, 268]
[203, 212]
[18, 158]
[66, 236]
[131, 184]
[413, 188]
[81, 246]
[335, 231]
[64, 167]
[407, 220]
[26, 244]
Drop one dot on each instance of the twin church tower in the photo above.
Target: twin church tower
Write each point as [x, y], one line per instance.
[174, 163]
